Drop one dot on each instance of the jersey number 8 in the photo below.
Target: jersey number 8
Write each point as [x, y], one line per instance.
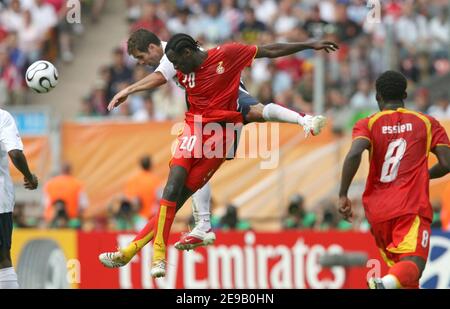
[392, 162]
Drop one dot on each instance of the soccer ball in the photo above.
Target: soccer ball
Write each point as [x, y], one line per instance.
[41, 76]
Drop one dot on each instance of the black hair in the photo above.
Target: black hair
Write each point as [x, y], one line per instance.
[146, 163]
[391, 86]
[180, 41]
[140, 39]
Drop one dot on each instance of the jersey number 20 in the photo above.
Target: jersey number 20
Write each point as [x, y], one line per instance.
[392, 161]
[189, 80]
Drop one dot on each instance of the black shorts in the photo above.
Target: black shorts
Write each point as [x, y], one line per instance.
[6, 226]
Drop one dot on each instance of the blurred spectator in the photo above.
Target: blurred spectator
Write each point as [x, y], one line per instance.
[231, 221]
[364, 98]
[285, 20]
[10, 79]
[149, 20]
[68, 190]
[146, 112]
[118, 73]
[439, 28]
[19, 217]
[411, 28]
[124, 216]
[142, 189]
[11, 17]
[297, 217]
[250, 28]
[60, 218]
[440, 109]
[345, 28]
[214, 26]
[329, 218]
[182, 22]
[421, 100]
[87, 109]
[315, 25]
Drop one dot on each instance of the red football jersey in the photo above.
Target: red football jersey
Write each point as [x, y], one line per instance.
[398, 181]
[212, 90]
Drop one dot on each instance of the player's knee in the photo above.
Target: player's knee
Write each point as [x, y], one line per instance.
[5, 258]
[171, 191]
[420, 262]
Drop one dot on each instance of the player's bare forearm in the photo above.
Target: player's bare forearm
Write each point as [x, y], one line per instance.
[437, 171]
[149, 82]
[351, 164]
[20, 162]
[276, 50]
[442, 168]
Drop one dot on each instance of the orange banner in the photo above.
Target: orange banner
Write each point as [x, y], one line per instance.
[105, 155]
[38, 153]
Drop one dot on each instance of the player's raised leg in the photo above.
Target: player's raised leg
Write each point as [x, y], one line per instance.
[311, 124]
[122, 256]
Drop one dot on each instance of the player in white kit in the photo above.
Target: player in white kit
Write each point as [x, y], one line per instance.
[10, 145]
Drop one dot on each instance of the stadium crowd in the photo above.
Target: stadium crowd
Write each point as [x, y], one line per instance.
[31, 30]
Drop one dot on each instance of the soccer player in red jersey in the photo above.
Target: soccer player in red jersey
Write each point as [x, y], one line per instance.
[148, 49]
[396, 198]
[211, 79]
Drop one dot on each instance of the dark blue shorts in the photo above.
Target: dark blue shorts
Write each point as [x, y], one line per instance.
[245, 100]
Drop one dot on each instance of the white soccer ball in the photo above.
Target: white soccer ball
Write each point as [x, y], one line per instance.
[41, 76]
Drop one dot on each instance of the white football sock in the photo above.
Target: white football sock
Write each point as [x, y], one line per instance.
[277, 113]
[201, 204]
[390, 282]
[8, 279]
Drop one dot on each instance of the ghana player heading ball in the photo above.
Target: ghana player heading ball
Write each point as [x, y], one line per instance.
[211, 80]
[148, 49]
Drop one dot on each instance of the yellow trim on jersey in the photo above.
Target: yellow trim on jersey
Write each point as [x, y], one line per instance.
[255, 52]
[427, 124]
[443, 145]
[365, 137]
[159, 247]
[405, 111]
[377, 116]
[387, 260]
[409, 242]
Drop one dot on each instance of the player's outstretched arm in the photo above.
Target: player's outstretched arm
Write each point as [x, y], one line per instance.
[351, 165]
[442, 168]
[149, 82]
[276, 50]
[20, 162]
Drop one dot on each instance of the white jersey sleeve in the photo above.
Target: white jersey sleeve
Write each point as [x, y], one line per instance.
[166, 68]
[9, 135]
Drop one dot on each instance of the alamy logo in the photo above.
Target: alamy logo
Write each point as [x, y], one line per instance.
[374, 14]
[73, 15]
